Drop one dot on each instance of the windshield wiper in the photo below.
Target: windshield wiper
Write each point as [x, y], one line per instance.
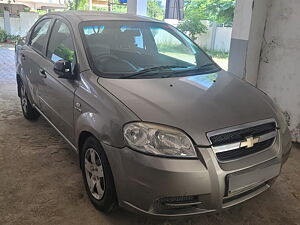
[151, 69]
[199, 69]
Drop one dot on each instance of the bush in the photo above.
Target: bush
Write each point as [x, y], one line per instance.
[12, 38]
[3, 36]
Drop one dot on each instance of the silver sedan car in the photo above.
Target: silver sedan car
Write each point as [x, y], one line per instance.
[158, 126]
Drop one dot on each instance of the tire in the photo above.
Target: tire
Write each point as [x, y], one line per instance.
[29, 112]
[98, 182]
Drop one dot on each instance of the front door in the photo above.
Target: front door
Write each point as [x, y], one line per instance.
[57, 94]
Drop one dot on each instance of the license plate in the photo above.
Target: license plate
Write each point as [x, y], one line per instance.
[247, 179]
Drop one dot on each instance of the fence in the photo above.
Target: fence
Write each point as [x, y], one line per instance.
[216, 38]
[18, 25]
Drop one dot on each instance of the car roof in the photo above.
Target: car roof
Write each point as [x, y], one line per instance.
[79, 16]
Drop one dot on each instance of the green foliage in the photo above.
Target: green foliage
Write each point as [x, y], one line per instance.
[78, 4]
[155, 10]
[82, 4]
[12, 38]
[3, 36]
[117, 7]
[220, 11]
[64, 52]
[42, 12]
[192, 25]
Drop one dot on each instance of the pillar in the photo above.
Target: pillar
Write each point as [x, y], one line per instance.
[7, 27]
[137, 7]
[247, 37]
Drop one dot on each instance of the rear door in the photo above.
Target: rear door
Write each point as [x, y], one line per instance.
[33, 53]
[57, 94]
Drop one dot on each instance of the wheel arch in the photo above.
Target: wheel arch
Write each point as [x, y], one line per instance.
[83, 136]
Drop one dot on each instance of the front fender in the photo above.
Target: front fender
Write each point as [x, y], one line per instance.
[91, 123]
[100, 113]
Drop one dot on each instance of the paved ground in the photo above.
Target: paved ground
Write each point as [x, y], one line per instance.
[7, 63]
[41, 184]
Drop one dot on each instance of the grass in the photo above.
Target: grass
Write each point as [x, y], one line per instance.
[217, 54]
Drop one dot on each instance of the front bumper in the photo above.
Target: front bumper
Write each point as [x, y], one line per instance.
[175, 187]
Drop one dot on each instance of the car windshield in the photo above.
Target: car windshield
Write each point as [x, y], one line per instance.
[130, 49]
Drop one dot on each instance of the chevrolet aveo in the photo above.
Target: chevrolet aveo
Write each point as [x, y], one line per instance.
[158, 126]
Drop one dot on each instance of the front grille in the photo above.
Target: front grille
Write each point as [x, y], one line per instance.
[241, 152]
[239, 135]
[227, 144]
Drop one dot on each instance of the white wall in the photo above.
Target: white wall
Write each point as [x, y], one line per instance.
[279, 72]
[242, 19]
[15, 25]
[137, 7]
[20, 25]
[1, 23]
[27, 19]
[204, 40]
[222, 40]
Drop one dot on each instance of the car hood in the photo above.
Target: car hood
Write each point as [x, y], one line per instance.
[196, 104]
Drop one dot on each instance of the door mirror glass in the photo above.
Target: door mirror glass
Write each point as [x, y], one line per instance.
[64, 69]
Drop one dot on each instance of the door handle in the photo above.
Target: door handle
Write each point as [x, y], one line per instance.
[43, 73]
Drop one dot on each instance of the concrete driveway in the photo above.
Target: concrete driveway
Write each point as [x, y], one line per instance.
[7, 64]
[41, 183]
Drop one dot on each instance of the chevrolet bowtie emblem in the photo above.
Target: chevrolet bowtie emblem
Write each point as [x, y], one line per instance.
[250, 142]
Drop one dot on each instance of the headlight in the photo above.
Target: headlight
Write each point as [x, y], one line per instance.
[158, 140]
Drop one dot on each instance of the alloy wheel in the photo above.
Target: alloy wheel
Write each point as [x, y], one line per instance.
[94, 173]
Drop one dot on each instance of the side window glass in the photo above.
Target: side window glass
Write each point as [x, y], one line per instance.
[39, 35]
[60, 44]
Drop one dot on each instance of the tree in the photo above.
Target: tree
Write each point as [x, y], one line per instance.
[220, 11]
[155, 10]
[78, 4]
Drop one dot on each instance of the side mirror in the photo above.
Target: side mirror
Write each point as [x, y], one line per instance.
[64, 69]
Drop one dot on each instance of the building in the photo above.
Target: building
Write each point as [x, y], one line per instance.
[14, 7]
